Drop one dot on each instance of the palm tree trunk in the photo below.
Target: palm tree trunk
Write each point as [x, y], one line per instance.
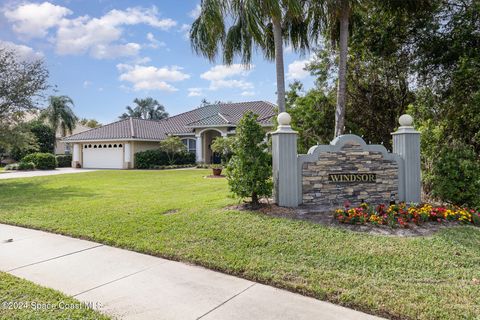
[278, 40]
[342, 70]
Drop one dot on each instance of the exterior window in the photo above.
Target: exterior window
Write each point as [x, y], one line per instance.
[190, 144]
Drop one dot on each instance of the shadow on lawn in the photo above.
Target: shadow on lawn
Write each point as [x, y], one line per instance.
[20, 194]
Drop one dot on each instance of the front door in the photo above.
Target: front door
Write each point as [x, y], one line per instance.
[216, 158]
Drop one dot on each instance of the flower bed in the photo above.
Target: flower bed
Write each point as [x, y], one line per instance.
[401, 215]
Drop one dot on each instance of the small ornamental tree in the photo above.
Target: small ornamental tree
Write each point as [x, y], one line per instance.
[249, 171]
[172, 146]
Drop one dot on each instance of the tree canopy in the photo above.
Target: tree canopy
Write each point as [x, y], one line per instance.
[59, 114]
[148, 109]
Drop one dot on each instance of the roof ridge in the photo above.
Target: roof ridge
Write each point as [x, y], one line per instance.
[221, 116]
[215, 104]
[208, 117]
[103, 126]
[132, 130]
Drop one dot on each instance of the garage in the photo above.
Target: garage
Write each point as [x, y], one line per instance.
[103, 155]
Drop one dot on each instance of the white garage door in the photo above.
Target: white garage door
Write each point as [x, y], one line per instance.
[103, 156]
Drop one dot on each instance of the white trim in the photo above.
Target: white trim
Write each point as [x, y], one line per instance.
[182, 134]
[212, 128]
[106, 140]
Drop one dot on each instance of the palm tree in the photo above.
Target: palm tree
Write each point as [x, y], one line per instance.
[148, 108]
[331, 18]
[265, 24]
[60, 115]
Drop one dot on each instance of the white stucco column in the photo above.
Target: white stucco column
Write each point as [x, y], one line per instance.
[127, 153]
[76, 155]
[406, 143]
[198, 146]
[284, 163]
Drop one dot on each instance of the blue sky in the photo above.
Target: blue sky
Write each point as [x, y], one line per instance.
[105, 53]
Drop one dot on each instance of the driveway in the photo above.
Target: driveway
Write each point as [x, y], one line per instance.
[130, 285]
[39, 173]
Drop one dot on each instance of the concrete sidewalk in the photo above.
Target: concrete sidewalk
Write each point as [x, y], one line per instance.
[130, 285]
[40, 173]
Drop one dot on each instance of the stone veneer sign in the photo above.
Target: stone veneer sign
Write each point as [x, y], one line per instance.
[348, 170]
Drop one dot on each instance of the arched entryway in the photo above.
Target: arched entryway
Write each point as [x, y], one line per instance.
[208, 137]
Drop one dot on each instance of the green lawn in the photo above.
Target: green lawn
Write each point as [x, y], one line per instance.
[21, 299]
[180, 215]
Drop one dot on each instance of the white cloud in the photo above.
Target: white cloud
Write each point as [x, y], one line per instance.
[142, 60]
[220, 77]
[195, 92]
[34, 20]
[154, 43]
[87, 83]
[150, 77]
[185, 29]
[97, 35]
[296, 70]
[102, 51]
[248, 93]
[22, 52]
[195, 13]
[101, 37]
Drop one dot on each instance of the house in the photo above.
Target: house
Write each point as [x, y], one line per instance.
[114, 145]
[66, 148]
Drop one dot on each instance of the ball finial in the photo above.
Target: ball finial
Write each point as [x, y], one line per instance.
[405, 120]
[284, 119]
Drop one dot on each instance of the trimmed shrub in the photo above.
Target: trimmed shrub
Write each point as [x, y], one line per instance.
[64, 160]
[154, 158]
[42, 161]
[26, 165]
[456, 176]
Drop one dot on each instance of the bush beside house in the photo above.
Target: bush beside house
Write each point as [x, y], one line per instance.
[42, 161]
[64, 160]
[151, 159]
[26, 166]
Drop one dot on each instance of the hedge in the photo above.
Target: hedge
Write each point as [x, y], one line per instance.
[42, 161]
[64, 160]
[153, 158]
[26, 165]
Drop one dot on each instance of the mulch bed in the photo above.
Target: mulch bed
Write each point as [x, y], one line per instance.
[327, 219]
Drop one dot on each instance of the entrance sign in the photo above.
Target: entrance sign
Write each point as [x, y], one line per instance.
[346, 170]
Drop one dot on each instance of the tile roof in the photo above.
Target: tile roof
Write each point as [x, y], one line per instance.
[225, 114]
